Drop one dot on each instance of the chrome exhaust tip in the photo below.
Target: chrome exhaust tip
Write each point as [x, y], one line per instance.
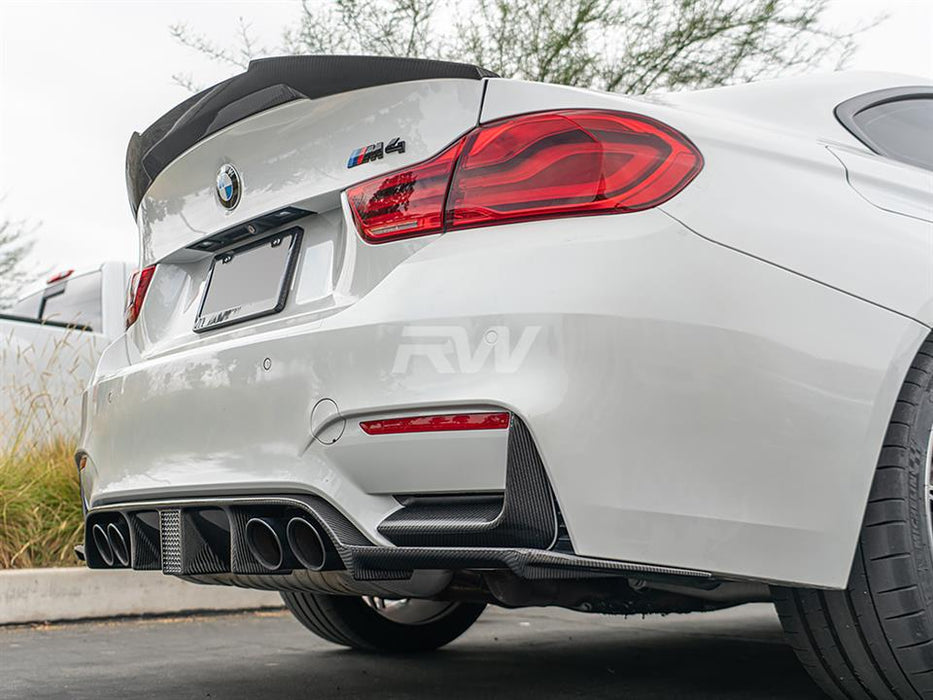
[102, 542]
[264, 544]
[306, 544]
[118, 544]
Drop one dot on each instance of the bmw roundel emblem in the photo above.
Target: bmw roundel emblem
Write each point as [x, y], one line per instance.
[228, 186]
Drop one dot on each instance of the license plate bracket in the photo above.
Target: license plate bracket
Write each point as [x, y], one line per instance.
[249, 282]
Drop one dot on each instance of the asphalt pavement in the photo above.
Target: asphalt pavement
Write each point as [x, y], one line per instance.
[541, 653]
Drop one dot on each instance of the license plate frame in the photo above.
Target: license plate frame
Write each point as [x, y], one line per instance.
[284, 262]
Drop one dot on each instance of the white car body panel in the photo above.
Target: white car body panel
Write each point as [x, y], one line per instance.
[757, 165]
[889, 186]
[708, 385]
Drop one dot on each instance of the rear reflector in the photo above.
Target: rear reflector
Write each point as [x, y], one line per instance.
[431, 424]
[535, 166]
[136, 294]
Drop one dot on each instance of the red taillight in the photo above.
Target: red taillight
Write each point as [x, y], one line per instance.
[544, 165]
[431, 424]
[567, 163]
[405, 203]
[139, 285]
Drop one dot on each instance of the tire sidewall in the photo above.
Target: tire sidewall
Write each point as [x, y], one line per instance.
[918, 466]
[394, 637]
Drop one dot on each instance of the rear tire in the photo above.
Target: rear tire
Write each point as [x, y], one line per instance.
[352, 622]
[874, 640]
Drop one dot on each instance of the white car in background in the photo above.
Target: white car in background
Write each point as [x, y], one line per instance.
[50, 342]
[413, 339]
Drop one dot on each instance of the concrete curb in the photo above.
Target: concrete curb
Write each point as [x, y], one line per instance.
[49, 595]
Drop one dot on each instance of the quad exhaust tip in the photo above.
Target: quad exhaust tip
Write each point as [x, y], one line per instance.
[118, 544]
[102, 542]
[264, 543]
[302, 543]
[111, 544]
[306, 544]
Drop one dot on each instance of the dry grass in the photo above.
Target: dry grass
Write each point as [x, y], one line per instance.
[43, 371]
[40, 507]
[41, 379]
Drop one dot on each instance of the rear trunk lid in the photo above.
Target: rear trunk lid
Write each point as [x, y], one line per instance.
[292, 158]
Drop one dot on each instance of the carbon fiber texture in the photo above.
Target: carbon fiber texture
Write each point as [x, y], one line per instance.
[526, 563]
[528, 517]
[185, 548]
[241, 561]
[562, 543]
[144, 542]
[199, 554]
[170, 538]
[450, 514]
[368, 562]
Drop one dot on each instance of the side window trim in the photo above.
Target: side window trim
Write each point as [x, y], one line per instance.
[47, 294]
[848, 110]
[58, 289]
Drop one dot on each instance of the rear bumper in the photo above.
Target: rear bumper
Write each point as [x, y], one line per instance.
[694, 408]
[209, 537]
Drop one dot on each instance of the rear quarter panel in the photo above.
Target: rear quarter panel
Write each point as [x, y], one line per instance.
[752, 460]
[773, 190]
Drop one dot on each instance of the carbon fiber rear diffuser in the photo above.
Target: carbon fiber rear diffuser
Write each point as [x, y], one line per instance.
[364, 560]
[197, 537]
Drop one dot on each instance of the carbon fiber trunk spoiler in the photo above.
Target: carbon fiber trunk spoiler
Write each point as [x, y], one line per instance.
[267, 83]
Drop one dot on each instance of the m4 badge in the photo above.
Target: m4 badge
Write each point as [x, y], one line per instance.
[375, 151]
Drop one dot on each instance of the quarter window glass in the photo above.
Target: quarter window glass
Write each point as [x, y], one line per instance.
[79, 302]
[902, 129]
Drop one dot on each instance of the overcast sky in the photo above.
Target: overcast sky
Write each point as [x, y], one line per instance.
[77, 78]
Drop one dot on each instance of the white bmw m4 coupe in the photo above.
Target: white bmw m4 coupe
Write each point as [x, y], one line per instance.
[408, 339]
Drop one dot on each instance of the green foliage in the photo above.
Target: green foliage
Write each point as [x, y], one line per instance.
[631, 46]
[40, 503]
[40, 507]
